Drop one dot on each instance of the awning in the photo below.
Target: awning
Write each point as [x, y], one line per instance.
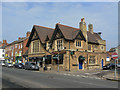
[81, 58]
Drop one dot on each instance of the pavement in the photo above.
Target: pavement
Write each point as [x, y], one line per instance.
[96, 74]
[20, 78]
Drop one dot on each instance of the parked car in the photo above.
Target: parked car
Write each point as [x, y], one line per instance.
[31, 66]
[18, 65]
[9, 65]
[109, 66]
[118, 65]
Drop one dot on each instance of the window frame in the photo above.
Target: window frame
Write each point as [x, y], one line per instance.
[78, 43]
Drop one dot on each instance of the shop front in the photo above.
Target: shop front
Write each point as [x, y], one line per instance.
[37, 60]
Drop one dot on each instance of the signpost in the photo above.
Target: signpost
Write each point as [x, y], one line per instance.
[115, 56]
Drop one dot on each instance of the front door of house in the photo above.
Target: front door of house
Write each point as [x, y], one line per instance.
[102, 63]
[80, 64]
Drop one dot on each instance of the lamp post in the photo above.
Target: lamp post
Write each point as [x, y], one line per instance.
[58, 60]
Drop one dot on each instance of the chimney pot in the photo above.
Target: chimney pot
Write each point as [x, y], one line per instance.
[28, 34]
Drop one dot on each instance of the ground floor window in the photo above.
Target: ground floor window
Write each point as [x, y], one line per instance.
[56, 60]
[92, 60]
[48, 59]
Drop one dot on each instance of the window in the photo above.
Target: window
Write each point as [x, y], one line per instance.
[36, 46]
[78, 43]
[3, 55]
[3, 50]
[16, 45]
[61, 57]
[48, 45]
[95, 47]
[92, 60]
[15, 53]
[21, 45]
[59, 44]
[89, 47]
[12, 52]
[102, 47]
[20, 53]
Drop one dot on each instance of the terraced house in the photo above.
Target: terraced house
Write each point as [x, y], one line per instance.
[71, 48]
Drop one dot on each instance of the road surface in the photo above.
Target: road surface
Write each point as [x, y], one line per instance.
[20, 78]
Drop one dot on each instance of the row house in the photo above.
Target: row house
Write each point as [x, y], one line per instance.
[2, 51]
[67, 47]
[16, 49]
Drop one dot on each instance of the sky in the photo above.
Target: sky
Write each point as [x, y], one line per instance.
[19, 17]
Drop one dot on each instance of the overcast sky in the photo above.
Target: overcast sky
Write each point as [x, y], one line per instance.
[19, 17]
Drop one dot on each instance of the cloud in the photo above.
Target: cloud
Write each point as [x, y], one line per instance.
[20, 17]
[60, 0]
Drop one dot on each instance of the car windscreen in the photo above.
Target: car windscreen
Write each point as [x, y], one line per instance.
[33, 63]
[20, 64]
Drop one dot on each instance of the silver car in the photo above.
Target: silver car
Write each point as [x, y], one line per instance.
[31, 66]
[118, 65]
[9, 65]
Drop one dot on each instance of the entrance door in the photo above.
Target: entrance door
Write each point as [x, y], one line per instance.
[102, 63]
[80, 64]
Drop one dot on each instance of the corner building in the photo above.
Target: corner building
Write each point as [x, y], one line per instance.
[71, 48]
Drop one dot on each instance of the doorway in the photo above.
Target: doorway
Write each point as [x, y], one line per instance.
[102, 63]
[80, 65]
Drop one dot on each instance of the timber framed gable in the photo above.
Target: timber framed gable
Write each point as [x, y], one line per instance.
[57, 34]
[80, 36]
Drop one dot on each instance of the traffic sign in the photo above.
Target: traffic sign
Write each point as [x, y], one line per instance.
[114, 55]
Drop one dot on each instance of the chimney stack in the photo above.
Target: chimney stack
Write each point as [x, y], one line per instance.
[90, 28]
[4, 42]
[28, 34]
[82, 26]
[19, 38]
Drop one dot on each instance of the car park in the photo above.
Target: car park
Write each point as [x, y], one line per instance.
[31, 66]
[18, 65]
[109, 66]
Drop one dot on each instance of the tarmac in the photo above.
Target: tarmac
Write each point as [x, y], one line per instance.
[95, 74]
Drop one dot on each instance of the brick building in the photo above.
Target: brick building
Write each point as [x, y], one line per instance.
[16, 49]
[71, 48]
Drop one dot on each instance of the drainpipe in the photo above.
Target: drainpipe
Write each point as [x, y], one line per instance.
[69, 56]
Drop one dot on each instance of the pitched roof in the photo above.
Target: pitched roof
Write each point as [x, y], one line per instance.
[68, 31]
[71, 32]
[18, 41]
[43, 32]
[93, 37]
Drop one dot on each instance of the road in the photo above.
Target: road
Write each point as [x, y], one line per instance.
[20, 78]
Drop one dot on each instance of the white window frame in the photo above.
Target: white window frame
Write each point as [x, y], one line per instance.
[78, 42]
[16, 46]
[59, 44]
